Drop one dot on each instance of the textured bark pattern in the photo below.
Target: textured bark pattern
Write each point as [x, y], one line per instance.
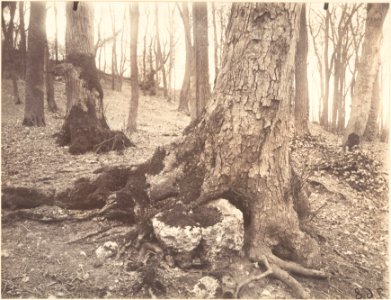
[202, 87]
[132, 118]
[301, 80]
[367, 70]
[79, 37]
[34, 102]
[248, 122]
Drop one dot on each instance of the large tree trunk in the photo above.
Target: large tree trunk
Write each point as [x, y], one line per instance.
[186, 94]
[132, 118]
[200, 36]
[301, 80]
[366, 74]
[372, 128]
[85, 127]
[34, 101]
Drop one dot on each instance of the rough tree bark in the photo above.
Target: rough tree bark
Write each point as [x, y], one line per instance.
[186, 93]
[301, 80]
[366, 74]
[85, 127]
[200, 36]
[34, 101]
[132, 118]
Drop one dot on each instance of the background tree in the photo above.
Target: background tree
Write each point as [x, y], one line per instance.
[186, 91]
[85, 127]
[49, 81]
[22, 44]
[301, 81]
[10, 62]
[372, 129]
[160, 61]
[200, 36]
[366, 74]
[132, 118]
[34, 101]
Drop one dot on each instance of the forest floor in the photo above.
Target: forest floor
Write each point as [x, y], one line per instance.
[40, 260]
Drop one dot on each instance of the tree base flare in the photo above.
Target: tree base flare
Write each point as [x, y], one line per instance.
[84, 132]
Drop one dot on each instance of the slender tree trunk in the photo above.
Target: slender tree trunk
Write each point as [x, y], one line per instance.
[22, 45]
[34, 101]
[132, 118]
[113, 53]
[301, 80]
[200, 36]
[49, 80]
[185, 94]
[336, 90]
[85, 127]
[366, 74]
[341, 103]
[325, 101]
[159, 55]
[56, 31]
[372, 129]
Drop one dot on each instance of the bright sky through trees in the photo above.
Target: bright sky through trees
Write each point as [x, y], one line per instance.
[103, 9]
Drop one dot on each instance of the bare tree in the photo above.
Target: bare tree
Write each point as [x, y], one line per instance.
[34, 101]
[85, 127]
[160, 61]
[366, 74]
[200, 36]
[10, 62]
[132, 118]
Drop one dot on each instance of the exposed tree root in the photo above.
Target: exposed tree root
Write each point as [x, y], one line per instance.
[258, 277]
[290, 281]
[296, 268]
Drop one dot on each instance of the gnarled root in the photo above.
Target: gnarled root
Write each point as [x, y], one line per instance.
[258, 277]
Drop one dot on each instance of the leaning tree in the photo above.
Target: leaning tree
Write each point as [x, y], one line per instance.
[367, 70]
[239, 150]
[85, 127]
